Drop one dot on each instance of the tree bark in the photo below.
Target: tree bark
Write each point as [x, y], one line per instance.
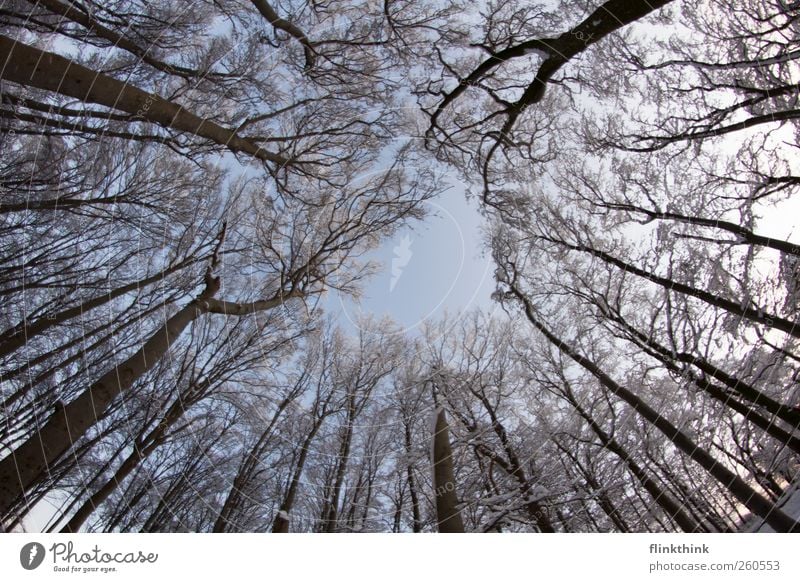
[515, 469]
[246, 469]
[17, 336]
[739, 388]
[603, 500]
[268, 12]
[744, 493]
[34, 67]
[606, 19]
[755, 314]
[671, 507]
[143, 446]
[416, 523]
[281, 523]
[331, 515]
[117, 40]
[448, 514]
[126, 468]
[30, 461]
[744, 235]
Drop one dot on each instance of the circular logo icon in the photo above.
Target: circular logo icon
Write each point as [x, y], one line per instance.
[31, 555]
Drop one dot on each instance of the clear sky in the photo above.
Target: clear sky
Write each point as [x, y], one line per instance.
[436, 265]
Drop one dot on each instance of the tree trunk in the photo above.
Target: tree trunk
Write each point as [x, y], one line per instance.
[31, 460]
[416, 523]
[603, 500]
[281, 523]
[448, 514]
[126, 468]
[744, 493]
[742, 389]
[515, 469]
[331, 515]
[33, 67]
[143, 446]
[671, 507]
[17, 336]
[754, 314]
[245, 471]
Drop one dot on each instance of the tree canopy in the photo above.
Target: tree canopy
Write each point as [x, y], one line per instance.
[184, 186]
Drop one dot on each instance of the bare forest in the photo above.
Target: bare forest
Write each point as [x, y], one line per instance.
[187, 188]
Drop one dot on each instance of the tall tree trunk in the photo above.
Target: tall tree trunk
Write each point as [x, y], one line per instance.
[331, 515]
[744, 493]
[34, 67]
[416, 523]
[268, 12]
[281, 523]
[87, 486]
[143, 446]
[755, 314]
[606, 19]
[17, 336]
[246, 469]
[603, 500]
[164, 512]
[117, 40]
[448, 514]
[514, 467]
[31, 460]
[741, 389]
[743, 234]
[671, 507]
[130, 463]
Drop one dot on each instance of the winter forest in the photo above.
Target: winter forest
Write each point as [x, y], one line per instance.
[188, 188]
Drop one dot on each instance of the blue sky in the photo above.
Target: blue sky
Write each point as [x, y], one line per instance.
[435, 266]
